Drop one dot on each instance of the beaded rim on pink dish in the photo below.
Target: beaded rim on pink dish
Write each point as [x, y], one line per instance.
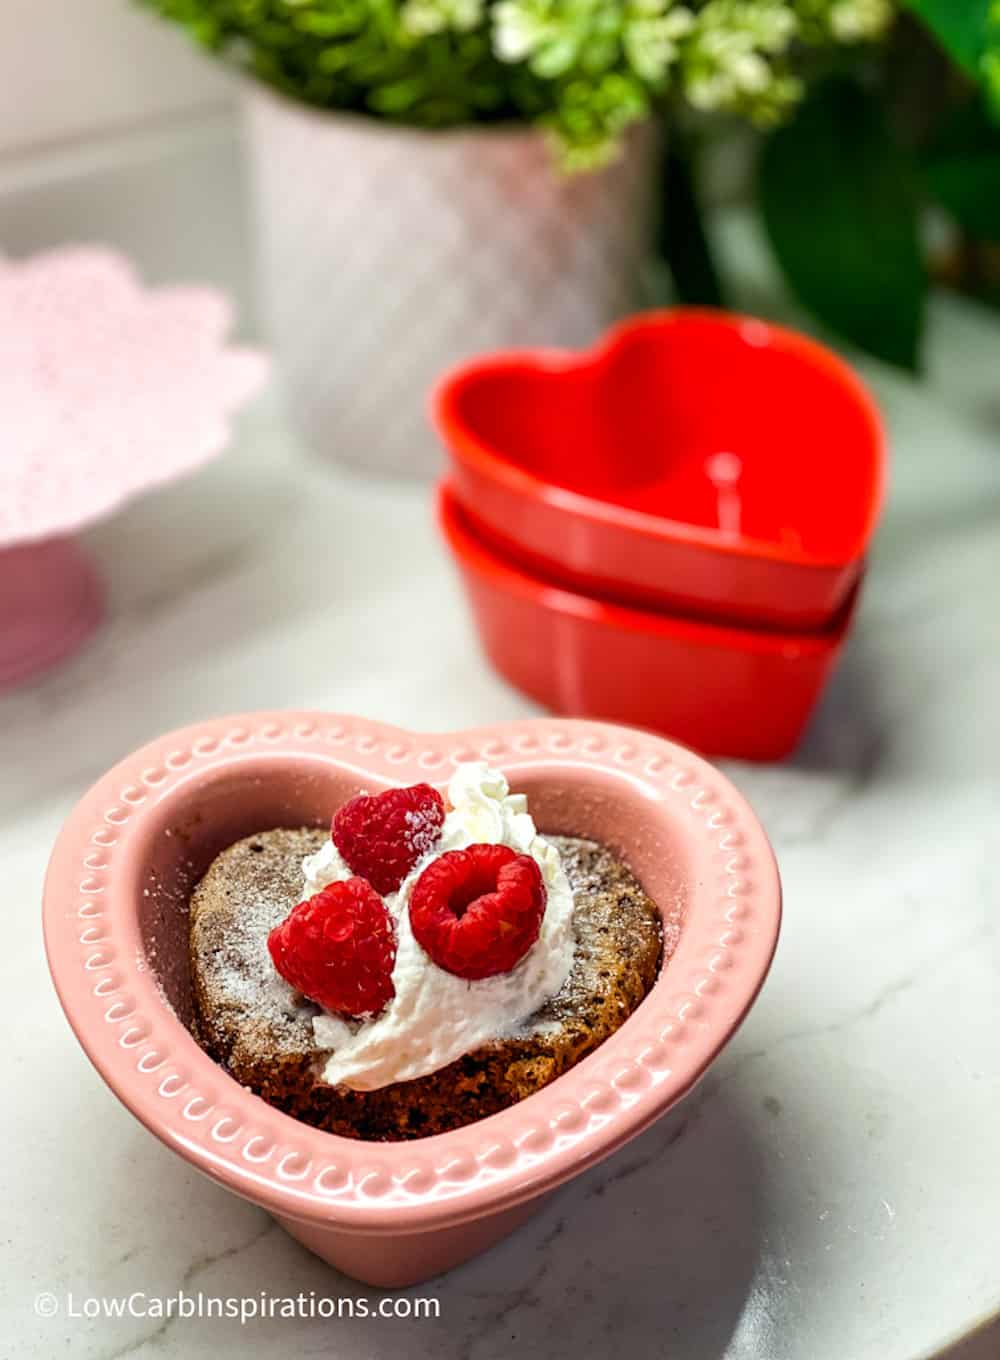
[150, 1060]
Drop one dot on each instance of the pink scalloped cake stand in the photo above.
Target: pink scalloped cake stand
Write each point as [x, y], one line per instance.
[107, 389]
[395, 1213]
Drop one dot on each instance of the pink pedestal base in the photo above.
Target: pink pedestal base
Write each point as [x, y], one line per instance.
[51, 600]
[392, 1262]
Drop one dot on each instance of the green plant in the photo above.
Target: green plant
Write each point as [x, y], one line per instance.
[582, 69]
[845, 184]
[857, 136]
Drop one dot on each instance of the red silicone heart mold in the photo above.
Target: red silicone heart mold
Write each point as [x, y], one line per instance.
[723, 689]
[393, 1213]
[693, 460]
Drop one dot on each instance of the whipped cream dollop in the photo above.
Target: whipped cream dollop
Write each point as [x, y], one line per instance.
[436, 1017]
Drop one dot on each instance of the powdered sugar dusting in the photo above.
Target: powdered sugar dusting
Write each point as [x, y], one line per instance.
[423, 829]
[263, 877]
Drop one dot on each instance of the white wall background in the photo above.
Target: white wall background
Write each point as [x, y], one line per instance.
[71, 70]
[115, 129]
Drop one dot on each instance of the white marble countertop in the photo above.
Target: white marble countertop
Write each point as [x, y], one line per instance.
[856, 1115]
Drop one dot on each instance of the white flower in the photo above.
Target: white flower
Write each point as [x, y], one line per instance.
[857, 20]
[651, 39]
[555, 35]
[517, 30]
[727, 58]
[421, 18]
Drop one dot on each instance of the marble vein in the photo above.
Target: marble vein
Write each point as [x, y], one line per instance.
[193, 1272]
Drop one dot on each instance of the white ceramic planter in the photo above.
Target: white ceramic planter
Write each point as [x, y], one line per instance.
[386, 254]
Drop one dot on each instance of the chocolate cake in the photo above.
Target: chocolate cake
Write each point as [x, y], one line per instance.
[249, 1022]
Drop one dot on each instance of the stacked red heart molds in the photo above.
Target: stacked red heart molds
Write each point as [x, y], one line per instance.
[669, 529]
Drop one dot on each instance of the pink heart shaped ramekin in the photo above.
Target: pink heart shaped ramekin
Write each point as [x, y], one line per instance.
[115, 918]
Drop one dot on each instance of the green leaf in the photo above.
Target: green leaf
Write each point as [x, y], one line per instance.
[962, 171]
[683, 239]
[840, 205]
[960, 26]
[969, 188]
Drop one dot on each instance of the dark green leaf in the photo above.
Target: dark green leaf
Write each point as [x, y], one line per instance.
[962, 171]
[683, 238]
[840, 205]
[969, 187]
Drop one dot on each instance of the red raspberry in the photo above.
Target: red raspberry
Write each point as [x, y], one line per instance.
[478, 911]
[382, 836]
[338, 948]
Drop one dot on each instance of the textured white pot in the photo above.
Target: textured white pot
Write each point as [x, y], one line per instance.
[386, 254]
